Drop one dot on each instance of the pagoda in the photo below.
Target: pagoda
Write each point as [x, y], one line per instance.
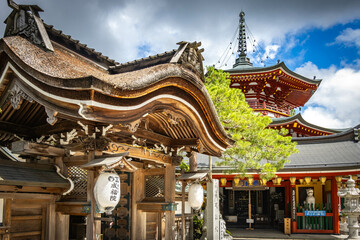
[274, 91]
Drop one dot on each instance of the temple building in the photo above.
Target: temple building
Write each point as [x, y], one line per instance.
[71, 115]
[326, 156]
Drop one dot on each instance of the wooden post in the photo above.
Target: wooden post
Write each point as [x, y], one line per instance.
[51, 220]
[249, 228]
[91, 225]
[62, 226]
[183, 210]
[335, 206]
[287, 198]
[138, 220]
[7, 217]
[169, 198]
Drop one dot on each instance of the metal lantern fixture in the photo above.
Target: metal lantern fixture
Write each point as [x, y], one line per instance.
[107, 191]
[322, 180]
[338, 181]
[352, 207]
[196, 196]
[292, 180]
[307, 180]
[263, 181]
[250, 181]
[223, 181]
[301, 181]
[236, 181]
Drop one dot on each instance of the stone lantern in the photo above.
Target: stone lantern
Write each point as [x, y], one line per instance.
[352, 207]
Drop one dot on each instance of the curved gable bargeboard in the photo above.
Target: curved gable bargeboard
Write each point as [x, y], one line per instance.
[120, 99]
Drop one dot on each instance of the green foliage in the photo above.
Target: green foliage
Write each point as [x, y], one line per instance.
[184, 166]
[198, 225]
[256, 146]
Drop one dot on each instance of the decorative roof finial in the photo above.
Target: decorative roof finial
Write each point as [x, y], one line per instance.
[242, 60]
[242, 35]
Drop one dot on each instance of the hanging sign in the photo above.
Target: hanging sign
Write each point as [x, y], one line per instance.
[107, 191]
[293, 204]
[321, 213]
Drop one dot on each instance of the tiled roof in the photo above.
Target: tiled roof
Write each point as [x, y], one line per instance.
[40, 175]
[340, 150]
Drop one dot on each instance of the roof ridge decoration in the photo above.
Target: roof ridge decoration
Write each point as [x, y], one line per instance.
[189, 55]
[25, 21]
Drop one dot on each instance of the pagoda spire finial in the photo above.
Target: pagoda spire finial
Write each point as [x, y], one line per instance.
[242, 49]
[242, 35]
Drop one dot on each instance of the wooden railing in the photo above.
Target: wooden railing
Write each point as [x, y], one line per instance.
[320, 223]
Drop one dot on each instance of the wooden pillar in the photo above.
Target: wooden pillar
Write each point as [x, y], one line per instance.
[93, 228]
[287, 198]
[169, 198]
[138, 220]
[183, 210]
[7, 216]
[335, 206]
[51, 225]
[62, 226]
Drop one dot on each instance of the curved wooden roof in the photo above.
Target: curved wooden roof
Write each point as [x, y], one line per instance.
[170, 97]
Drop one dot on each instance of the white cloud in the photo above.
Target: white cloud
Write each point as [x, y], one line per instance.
[336, 103]
[349, 37]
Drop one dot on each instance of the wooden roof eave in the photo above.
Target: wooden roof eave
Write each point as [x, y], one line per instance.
[73, 107]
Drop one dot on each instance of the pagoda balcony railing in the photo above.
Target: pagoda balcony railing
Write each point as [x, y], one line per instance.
[257, 105]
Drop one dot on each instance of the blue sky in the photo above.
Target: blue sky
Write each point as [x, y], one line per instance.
[314, 38]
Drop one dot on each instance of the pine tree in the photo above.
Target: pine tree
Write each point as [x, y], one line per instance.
[256, 146]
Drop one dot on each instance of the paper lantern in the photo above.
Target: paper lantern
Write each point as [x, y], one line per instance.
[196, 196]
[107, 191]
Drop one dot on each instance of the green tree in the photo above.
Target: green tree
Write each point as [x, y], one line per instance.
[256, 146]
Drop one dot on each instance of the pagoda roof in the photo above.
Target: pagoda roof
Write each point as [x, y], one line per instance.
[279, 66]
[300, 120]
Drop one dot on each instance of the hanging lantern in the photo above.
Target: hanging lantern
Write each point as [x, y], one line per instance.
[322, 180]
[223, 182]
[107, 191]
[354, 177]
[250, 181]
[292, 180]
[196, 196]
[277, 181]
[314, 180]
[301, 181]
[263, 181]
[307, 180]
[236, 181]
[338, 180]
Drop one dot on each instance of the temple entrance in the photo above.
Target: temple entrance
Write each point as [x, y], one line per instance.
[267, 207]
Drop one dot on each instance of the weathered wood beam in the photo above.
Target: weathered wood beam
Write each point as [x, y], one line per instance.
[141, 153]
[36, 149]
[75, 160]
[159, 138]
[12, 128]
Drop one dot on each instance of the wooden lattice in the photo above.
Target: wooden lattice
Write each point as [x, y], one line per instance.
[154, 186]
[79, 177]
